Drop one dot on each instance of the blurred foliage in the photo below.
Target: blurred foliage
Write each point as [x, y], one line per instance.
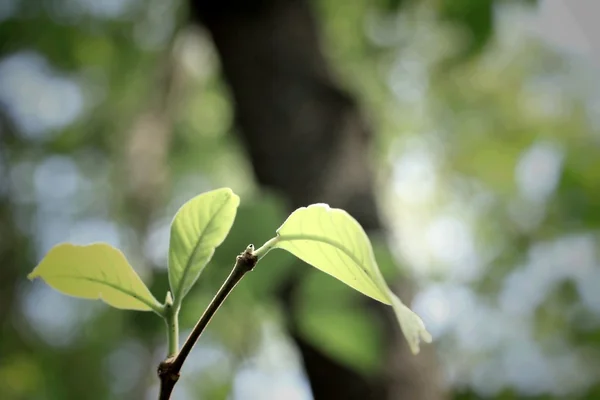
[487, 160]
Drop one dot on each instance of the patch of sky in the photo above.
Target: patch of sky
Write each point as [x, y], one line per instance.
[52, 230]
[39, 100]
[8, 9]
[274, 373]
[132, 354]
[415, 175]
[570, 257]
[409, 80]
[105, 9]
[56, 182]
[538, 170]
[56, 318]
[441, 305]
[451, 242]
[154, 30]
[156, 246]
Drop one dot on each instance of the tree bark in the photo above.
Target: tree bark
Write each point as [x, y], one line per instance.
[307, 140]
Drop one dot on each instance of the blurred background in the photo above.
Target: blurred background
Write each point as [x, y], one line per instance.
[464, 135]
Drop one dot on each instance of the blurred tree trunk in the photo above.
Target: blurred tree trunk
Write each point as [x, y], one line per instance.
[307, 140]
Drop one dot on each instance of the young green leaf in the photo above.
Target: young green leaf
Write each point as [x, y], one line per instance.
[331, 240]
[198, 228]
[334, 242]
[411, 324]
[96, 271]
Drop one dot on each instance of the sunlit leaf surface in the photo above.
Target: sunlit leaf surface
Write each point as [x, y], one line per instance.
[333, 241]
[96, 271]
[198, 228]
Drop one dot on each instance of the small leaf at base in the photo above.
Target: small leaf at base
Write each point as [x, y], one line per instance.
[95, 271]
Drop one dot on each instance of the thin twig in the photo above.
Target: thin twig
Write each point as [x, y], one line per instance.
[169, 370]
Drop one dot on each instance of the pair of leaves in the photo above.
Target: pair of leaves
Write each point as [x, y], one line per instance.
[328, 239]
[99, 271]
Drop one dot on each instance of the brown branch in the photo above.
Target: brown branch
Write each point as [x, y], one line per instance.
[169, 370]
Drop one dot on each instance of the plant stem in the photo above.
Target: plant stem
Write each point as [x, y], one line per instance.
[172, 320]
[168, 370]
[265, 248]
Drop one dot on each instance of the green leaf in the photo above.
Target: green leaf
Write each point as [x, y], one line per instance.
[334, 242]
[331, 240]
[96, 271]
[198, 228]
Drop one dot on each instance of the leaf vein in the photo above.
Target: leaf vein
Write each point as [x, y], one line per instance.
[113, 286]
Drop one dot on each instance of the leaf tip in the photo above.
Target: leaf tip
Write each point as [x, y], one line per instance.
[426, 336]
[32, 275]
[411, 324]
[230, 193]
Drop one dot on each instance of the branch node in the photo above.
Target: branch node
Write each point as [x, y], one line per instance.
[168, 374]
[169, 370]
[247, 260]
